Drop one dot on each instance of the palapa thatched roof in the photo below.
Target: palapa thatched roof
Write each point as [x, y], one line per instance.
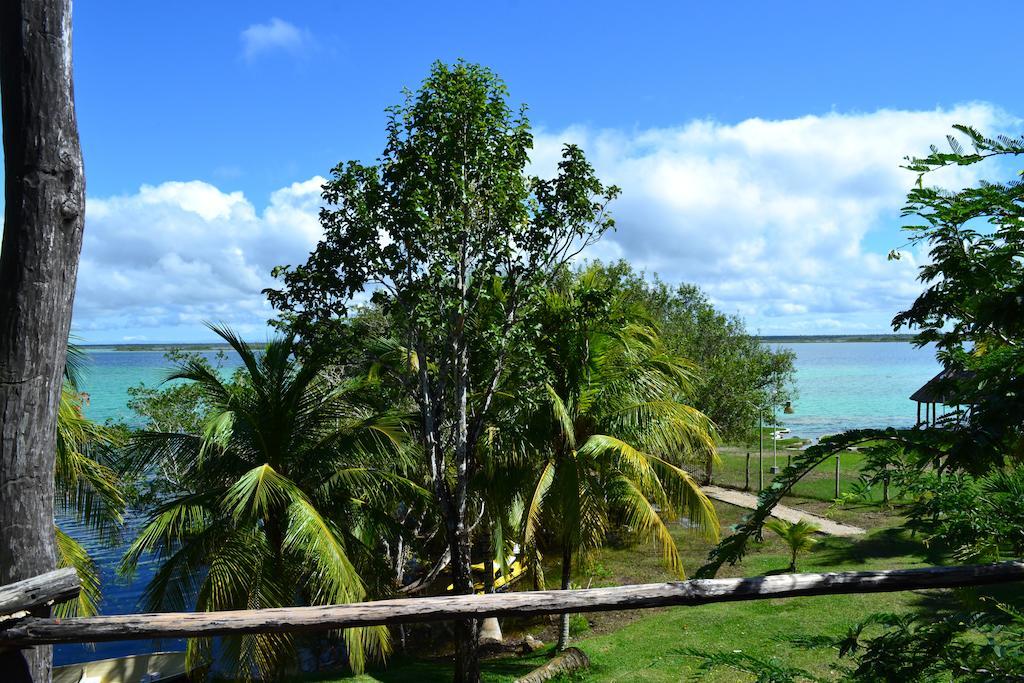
[941, 388]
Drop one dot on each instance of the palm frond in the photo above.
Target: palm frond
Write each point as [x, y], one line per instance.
[562, 416]
[71, 553]
[645, 520]
[257, 492]
[534, 510]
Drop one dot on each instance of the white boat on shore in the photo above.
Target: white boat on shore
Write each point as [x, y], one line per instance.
[156, 667]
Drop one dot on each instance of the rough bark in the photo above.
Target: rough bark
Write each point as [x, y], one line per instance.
[34, 630]
[467, 632]
[489, 552]
[43, 222]
[50, 588]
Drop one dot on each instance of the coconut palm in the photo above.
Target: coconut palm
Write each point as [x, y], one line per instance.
[614, 431]
[799, 536]
[285, 492]
[87, 489]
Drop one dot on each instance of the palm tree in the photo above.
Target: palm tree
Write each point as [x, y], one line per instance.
[88, 490]
[613, 431]
[799, 536]
[287, 490]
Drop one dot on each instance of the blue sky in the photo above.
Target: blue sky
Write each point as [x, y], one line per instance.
[757, 144]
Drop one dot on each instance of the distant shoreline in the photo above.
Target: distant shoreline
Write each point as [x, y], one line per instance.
[765, 339]
[212, 346]
[832, 338]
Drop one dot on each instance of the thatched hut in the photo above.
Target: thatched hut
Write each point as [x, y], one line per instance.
[942, 389]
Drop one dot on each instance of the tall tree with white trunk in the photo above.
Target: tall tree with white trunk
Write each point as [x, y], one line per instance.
[454, 239]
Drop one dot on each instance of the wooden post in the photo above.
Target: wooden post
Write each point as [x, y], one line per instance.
[44, 211]
[837, 475]
[35, 630]
[746, 475]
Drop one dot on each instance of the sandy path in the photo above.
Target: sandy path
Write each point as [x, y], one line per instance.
[749, 501]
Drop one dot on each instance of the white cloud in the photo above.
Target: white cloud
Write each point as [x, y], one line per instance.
[772, 218]
[784, 222]
[275, 35]
[174, 255]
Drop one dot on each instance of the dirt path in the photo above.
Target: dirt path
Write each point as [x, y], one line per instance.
[749, 501]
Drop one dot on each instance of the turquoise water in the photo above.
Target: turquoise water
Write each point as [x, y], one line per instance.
[847, 385]
[109, 374]
[840, 386]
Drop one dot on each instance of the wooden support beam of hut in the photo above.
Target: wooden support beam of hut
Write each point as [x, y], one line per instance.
[35, 631]
[45, 589]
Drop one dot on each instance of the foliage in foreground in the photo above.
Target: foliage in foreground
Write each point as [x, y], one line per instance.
[283, 457]
[87, 487]
[965, 474]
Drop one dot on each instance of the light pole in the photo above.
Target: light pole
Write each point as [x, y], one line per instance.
[788, 410]
[760, 449]
[775, 445]
[760, 443]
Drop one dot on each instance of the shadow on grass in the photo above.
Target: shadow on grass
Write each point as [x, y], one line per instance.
[879, 545]
[410, 670]
[978, 598]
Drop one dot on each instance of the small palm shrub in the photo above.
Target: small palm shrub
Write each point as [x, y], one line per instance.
[799, 536]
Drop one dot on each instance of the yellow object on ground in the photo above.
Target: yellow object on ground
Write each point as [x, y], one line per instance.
[515, 570]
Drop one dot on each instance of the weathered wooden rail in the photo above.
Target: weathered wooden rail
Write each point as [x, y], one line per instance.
[49, 588]
[29, 631]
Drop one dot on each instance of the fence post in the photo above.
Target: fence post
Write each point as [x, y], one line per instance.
[837, 475]
[746, 477]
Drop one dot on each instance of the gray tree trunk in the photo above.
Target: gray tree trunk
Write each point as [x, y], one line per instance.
[563, 620]
[43, 223]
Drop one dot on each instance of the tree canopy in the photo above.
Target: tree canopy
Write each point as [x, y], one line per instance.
[454, 241]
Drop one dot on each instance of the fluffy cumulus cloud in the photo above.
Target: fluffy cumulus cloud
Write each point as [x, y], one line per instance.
[158, 263]
[275, 35]
[785, 222]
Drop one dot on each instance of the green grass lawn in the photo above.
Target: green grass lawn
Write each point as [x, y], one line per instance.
[818, 484]
[649, 644]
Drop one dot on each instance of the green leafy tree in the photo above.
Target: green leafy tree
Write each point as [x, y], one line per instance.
[614, 431]
[977, 517]
[175, 406]
[798, 536]
[454, 240]
[964, 471]
[737, 372]
[278, 502]
[972, 307]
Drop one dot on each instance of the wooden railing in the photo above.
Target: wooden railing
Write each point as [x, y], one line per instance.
[18, 630]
